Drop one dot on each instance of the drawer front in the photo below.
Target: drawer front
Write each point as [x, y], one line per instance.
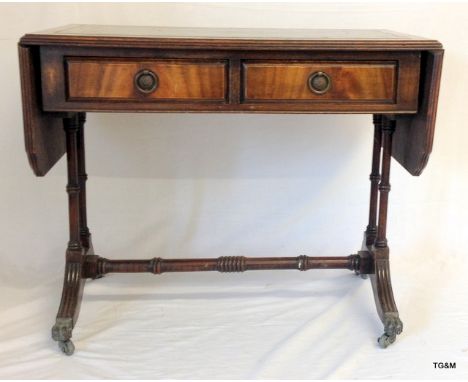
[320, 81]
[145, 80]
[115, 79]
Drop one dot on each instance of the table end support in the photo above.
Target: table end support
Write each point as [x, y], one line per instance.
[74, 281]
[375, 239]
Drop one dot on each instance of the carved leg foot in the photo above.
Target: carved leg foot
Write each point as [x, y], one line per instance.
[70, 303]
[383, 296]
[62, 332]
[392, 327]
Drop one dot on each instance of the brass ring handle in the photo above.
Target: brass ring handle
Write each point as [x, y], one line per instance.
[319, 82]
[146, 81]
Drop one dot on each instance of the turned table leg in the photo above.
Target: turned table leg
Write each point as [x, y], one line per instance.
[380, 278]
[75, 253]
[371, 230]
[85, 235]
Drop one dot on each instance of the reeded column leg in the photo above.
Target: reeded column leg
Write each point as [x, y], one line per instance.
[75, 254]
[380, 279]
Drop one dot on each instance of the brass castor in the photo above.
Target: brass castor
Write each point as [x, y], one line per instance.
[66, 347]
[393, 327]
[384, 340]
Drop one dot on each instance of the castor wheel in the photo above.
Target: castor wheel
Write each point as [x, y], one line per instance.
[66, 347]
[384, 340]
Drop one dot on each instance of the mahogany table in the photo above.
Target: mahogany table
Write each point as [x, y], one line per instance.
[71, 70]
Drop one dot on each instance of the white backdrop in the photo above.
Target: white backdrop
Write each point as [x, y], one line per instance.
[199, 185]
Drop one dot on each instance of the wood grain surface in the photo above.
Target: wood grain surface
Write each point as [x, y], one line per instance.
[228, 38]
[43, 133]
[92, 68]
[177, 79]
[349, 81]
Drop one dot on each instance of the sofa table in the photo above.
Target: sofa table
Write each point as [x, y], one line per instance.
[71, 70]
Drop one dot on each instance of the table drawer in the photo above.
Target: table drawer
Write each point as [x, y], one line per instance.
[320, 81]
[145, 79]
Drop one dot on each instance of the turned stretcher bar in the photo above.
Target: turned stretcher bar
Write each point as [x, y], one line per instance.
[96, 266]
